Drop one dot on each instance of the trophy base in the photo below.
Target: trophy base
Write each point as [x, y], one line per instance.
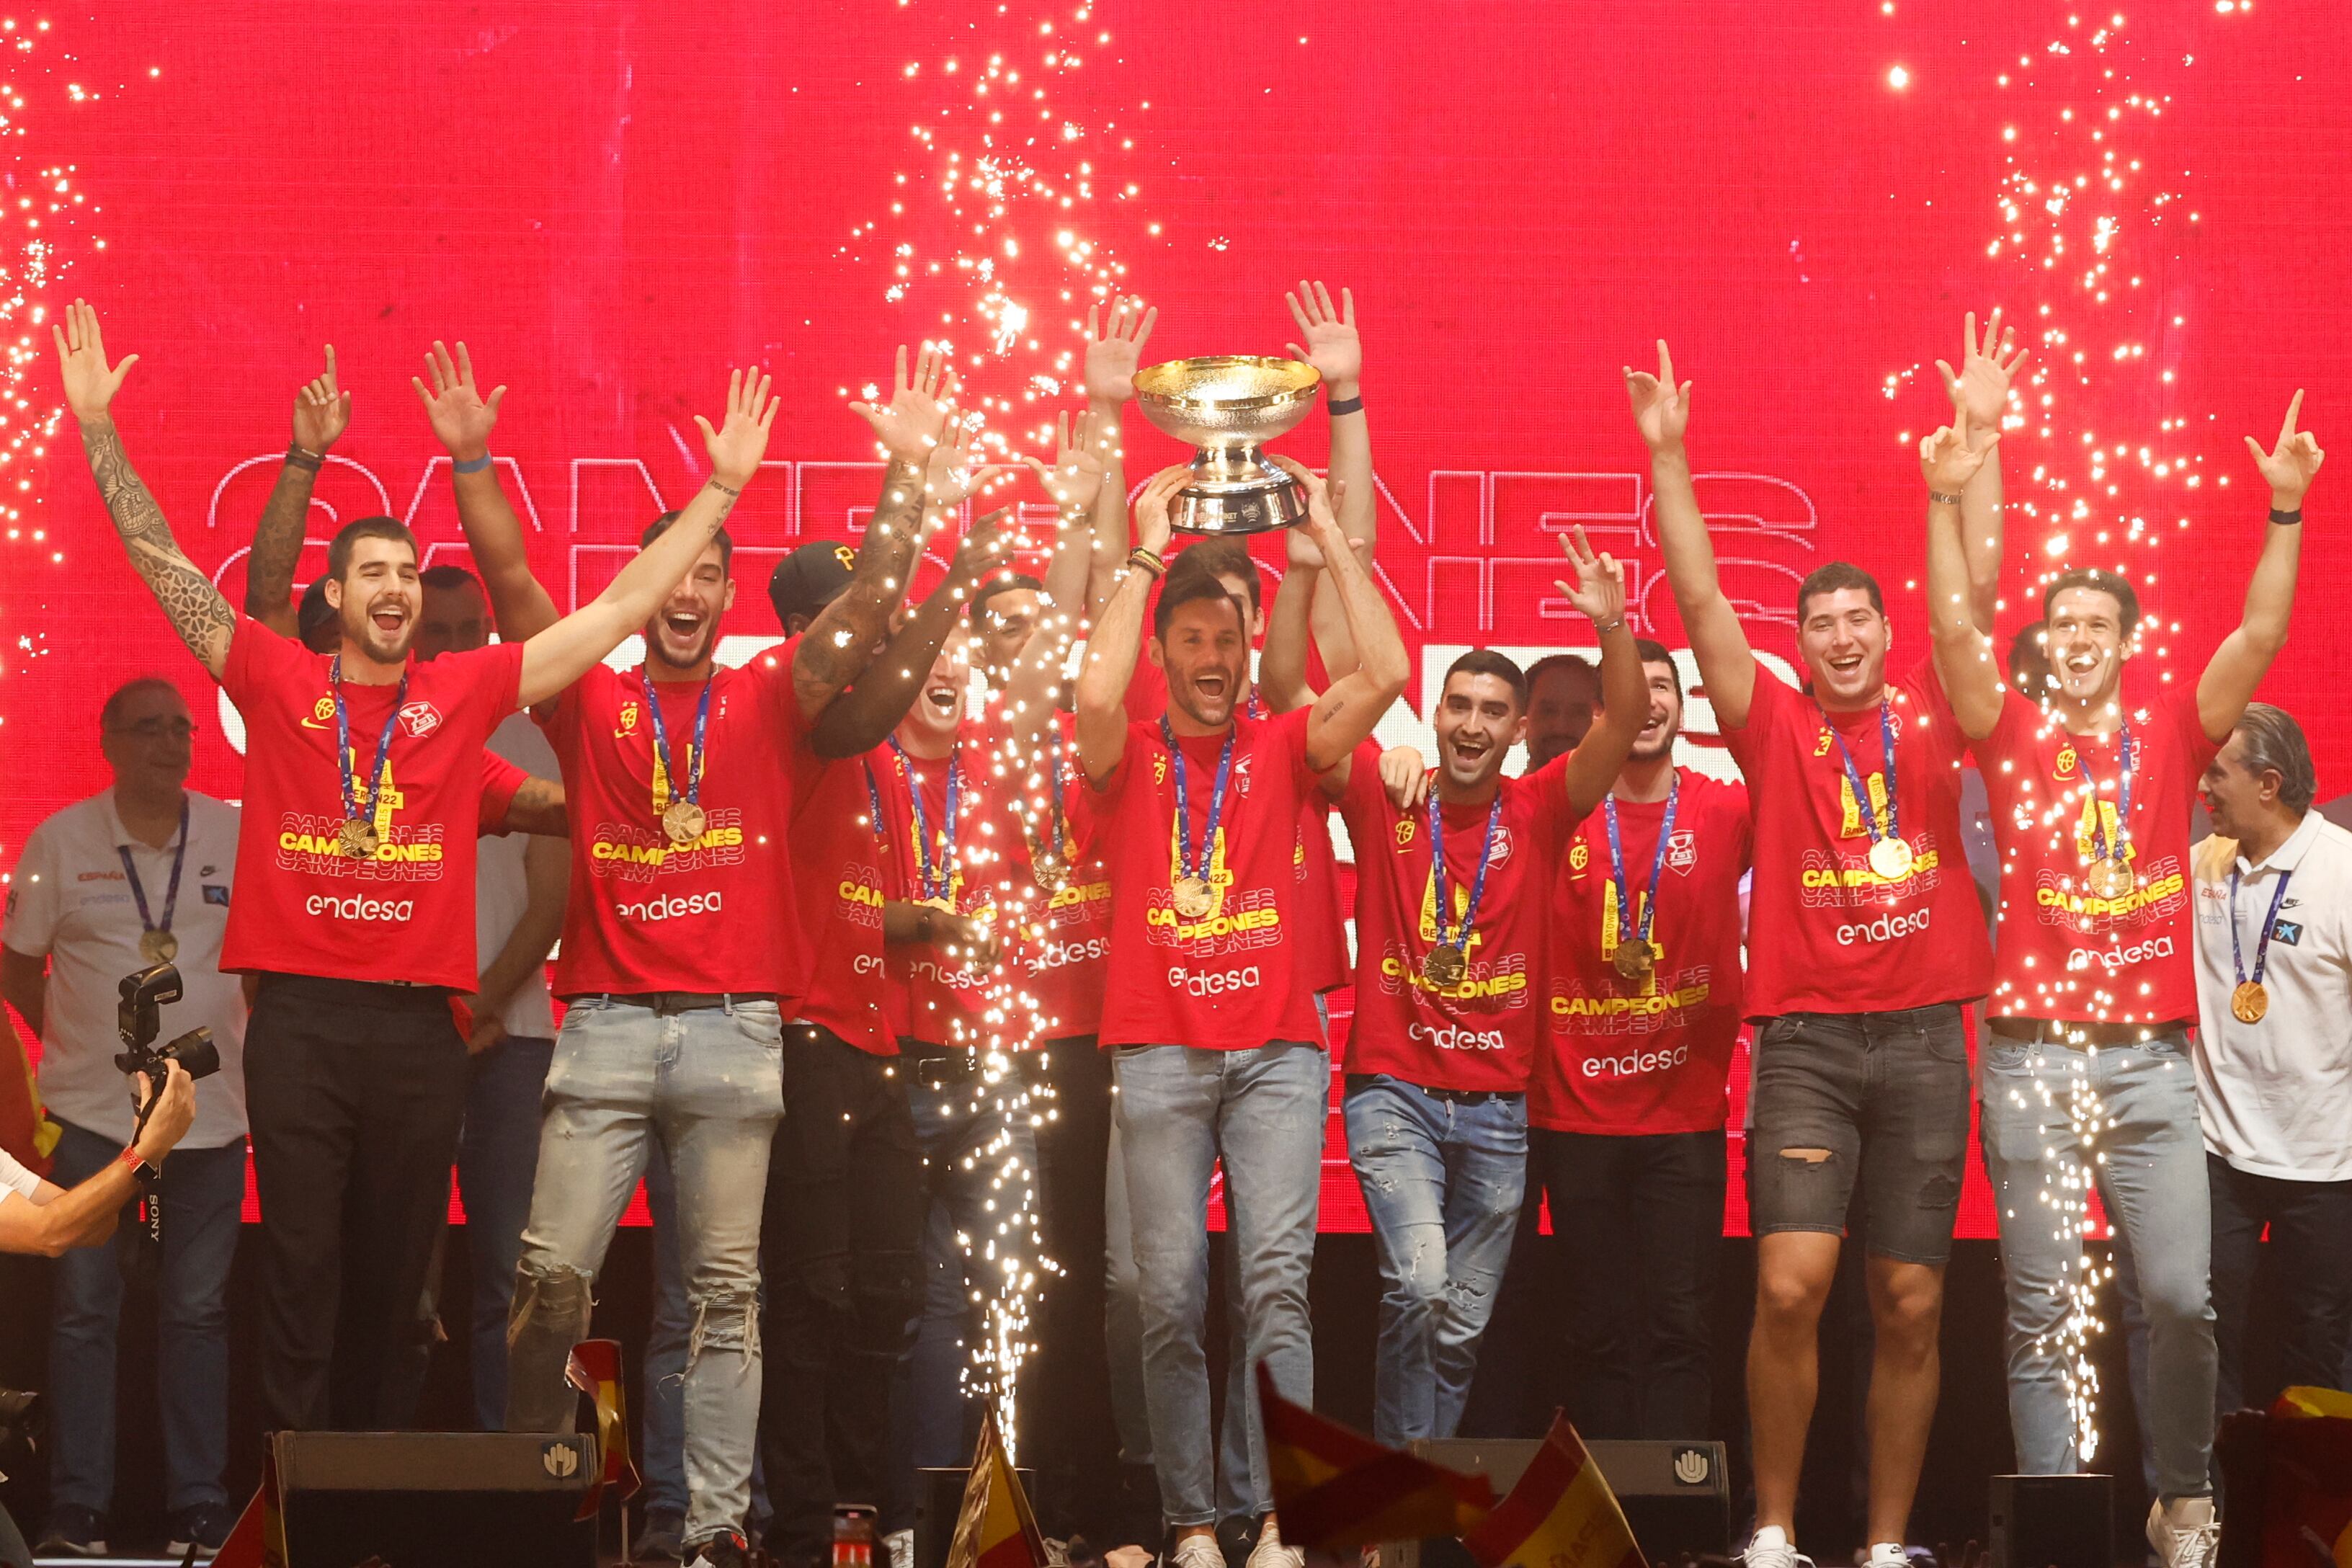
[1237, 493]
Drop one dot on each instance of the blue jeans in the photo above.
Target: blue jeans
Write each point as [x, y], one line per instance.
[662, 1383]
[1443, 1179]
[707, 1085]
[2153, 1181]
[496, 1155]
[1179, 1109]
[203, 1192]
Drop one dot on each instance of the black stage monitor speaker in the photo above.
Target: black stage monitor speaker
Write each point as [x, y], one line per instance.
[437, 1500]
[1676, 1496]
[2053, 1522]
[939, 1498]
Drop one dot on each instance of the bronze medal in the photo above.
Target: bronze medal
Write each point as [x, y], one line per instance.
[1890, 858]
[1445, 966]
[684, 822]
[2110, 879]
[1192, 898]
[158, 946]
[1634, 959]
[2249, 1002]
[357, 838]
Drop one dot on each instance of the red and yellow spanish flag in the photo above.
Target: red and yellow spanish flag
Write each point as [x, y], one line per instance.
[1561, 1515]
[995, 1528]
[258, 1540]
[1335, 1489]
[594, 1369]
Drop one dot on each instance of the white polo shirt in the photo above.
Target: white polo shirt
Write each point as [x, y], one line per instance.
[15, 1178]
[71, 900]
[2276, 1097]
[501, 887]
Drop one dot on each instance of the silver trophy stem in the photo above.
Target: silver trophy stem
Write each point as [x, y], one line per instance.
[1235, 490]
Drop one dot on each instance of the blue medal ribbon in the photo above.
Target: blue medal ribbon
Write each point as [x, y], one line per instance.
[352, 805]
[1854, 774]
[931, 882]
[2269, 923]
[2102, 848]
[1657, 864]
[691, 791]
[1460, 939]
[172, 893]
[1054, 782]
[1188, 862]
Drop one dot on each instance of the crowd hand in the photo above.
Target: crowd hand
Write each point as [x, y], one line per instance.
[741, 438]
[1080, 460]
[952, 473]
[908, 426]
[91, 383]
[1323, 499]
[460, 415]
[1331, 345]
[1113, 349]
[175, 1112]
[323, 411]
[2289, 467]
[1599, 592]
[1952, 457]
[985, 551]
[1980, 387]
[1661, 407]
[1405, 776]
[1151, 525]
[972, 940]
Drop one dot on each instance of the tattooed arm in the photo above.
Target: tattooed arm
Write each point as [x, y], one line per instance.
[321, 412]
[197, 611]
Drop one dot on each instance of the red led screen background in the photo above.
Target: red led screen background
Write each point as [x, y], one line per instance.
[613, 203]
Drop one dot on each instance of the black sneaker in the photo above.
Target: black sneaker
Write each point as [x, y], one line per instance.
[75, 1533]
[663, 1540]
[201, 1529]
[727, 1549]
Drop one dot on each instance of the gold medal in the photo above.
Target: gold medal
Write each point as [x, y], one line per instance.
[1890, 858]
[2249, 1002]
[1634, 959]
[158, 946]
[2110, 879]
[357, 838]
[1445, 966]
[1052, 872]
[1192, 898]
[684, 822]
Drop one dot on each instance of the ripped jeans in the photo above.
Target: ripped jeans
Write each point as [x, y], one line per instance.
[707, 1083]
[1442, 1176]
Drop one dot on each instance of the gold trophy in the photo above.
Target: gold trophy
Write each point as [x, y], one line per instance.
[1228, 407]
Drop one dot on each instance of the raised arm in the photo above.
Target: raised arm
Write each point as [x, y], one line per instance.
[1117, 636]
[1344, 715]
[1980, 389]
[1965, 659]
[562, 653]
[1282, 683]
[463, 419]
[322, 410]
[1726, 662]
[1075, 481]
[1599, 593]
[1332, 346]
[1114, 348]
[196, 609]
[2237, 665]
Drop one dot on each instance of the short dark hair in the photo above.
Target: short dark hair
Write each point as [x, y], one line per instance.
[1189, 581]
[446, 575]
[112, 710]
[1004, 583]
[1487, 661]
[1227, 558]
[660, 526]
[2097, 582]
[1652, 651]
[1561, 664]
[2029, 660]
[1832, 576]
[2273, 743]
[338, 552]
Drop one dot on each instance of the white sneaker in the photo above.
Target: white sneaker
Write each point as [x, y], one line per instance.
[1270, 1553]
[1888, 1554]
[900, 1545]
[1197, 1552]
[1770, 1548]
[2184, 1532]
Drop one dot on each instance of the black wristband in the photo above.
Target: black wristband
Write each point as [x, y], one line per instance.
[1340, 405]
[300, 459]
[2289, 518]
[470, 465]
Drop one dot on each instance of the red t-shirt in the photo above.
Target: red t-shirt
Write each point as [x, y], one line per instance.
[1651, 1054]
[935, 999]
[1234, 979]
[1827, 934]
[406, 913]
[502, 781]
[842, 872]
[1055, 944]
[2063, 953]
[648, 915]
[1479, 1034]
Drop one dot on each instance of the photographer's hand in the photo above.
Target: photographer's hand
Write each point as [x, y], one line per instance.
[174, 1111]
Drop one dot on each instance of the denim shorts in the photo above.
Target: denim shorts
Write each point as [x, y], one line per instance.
[1878, 1099]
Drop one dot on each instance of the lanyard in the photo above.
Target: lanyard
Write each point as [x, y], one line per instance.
[1657, 863]
[1854, 774]
[1460, 939]
[172, 893]
[692, 791]
[1188, 863]
[351, 801]
[2269, 923]
[932, 881]
[1049, 847]
[2101, 848]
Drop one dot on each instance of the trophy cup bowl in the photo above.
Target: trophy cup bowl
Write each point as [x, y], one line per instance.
[1227, 406]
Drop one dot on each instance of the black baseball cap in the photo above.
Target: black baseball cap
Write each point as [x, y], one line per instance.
[809, 579]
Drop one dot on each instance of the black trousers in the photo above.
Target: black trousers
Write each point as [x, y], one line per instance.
[1652, 1205]
[841, 1241]
[1068, 1383]
[355, 1092]
[2310, 1275]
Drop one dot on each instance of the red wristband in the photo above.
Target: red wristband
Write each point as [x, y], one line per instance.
[131, 1157]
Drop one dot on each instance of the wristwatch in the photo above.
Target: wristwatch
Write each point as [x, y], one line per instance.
[141, 1170]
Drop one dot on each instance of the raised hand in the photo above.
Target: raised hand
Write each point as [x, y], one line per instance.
[460, 415]
[1980, 386]
[1322, 524]
[1080, 459]
[1661, 407]
[951, 472]
[1952, 457]
[1114, 349]
[1331, 345]
[984, 551]
[2289, 466]
[908, 425]
[323, 411]
[90, 382]
[741, 438]
[1151, 525]
[1405, 776]
[1599, 592]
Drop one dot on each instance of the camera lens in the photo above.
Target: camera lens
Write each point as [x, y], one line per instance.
[195, 1053]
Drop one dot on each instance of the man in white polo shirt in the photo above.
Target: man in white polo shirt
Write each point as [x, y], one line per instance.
[2274, 1049]
[134, 875]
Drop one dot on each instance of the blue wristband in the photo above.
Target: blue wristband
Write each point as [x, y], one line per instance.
[475, 467]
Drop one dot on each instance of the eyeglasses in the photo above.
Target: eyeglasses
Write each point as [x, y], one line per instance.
[157, 729]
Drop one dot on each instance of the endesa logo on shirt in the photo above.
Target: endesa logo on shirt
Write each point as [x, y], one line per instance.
[670, 906]
[361, 907]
